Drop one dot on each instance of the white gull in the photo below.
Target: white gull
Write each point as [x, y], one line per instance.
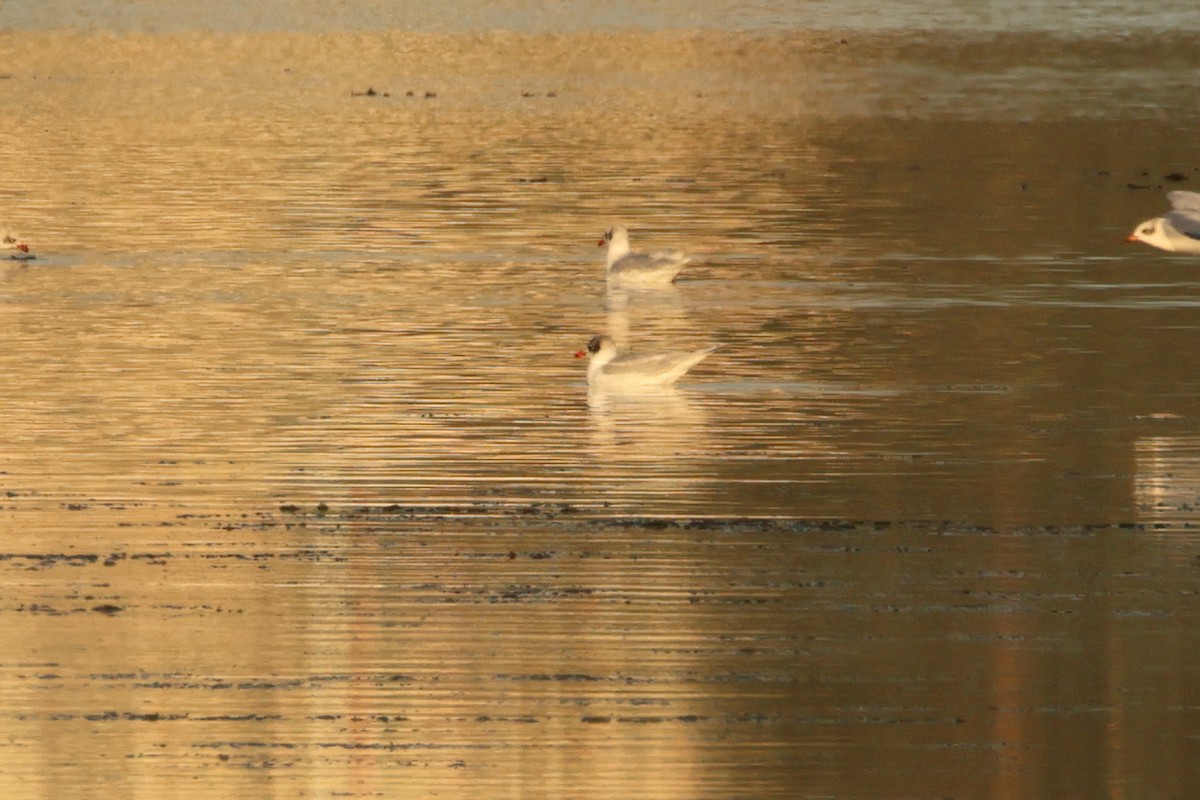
[608, 369]
[627, 269]
[1177, 231]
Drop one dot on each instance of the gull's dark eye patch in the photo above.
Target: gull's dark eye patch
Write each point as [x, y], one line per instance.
[594, 345]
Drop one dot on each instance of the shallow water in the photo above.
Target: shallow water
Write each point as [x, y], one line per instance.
[305, 493]
[380, 650]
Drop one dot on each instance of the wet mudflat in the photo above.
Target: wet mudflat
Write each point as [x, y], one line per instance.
[302, 493]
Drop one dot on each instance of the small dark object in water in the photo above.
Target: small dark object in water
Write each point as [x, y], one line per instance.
[430, 94]
[1175, 176]
[370, 92]
[1137, 186]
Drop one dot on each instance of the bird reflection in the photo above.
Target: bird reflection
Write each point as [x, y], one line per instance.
[651, 312]
[661, 427]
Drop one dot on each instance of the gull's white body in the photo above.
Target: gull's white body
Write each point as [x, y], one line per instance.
[1177, 231]
[627, 269]
[608, 369]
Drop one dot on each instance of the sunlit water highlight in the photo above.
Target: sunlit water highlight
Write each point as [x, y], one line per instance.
[303, 491]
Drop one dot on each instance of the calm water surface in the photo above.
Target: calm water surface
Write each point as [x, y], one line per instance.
[305, 495]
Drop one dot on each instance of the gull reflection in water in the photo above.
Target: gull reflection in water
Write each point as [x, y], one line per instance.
[650, 442]
[657, 312]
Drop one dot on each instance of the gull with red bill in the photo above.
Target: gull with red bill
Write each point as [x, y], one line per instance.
[1177, 231]
[608, 369]
[626, 269]
[9, 241]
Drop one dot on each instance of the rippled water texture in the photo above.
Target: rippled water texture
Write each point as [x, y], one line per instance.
[304, 493]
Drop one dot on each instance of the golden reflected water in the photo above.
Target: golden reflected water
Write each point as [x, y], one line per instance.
[303, 493]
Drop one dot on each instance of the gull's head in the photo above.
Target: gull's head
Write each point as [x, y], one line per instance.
[617, 236]
[9, 241]
[617, 239]
[598, 345]
[1152, 232]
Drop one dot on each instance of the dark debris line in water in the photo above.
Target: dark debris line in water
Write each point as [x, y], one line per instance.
[581, 516]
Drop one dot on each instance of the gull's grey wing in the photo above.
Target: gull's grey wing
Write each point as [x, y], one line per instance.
[637, 363]
[1184, 215]
[643, 262]
[657, 366]
[1188, 202]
